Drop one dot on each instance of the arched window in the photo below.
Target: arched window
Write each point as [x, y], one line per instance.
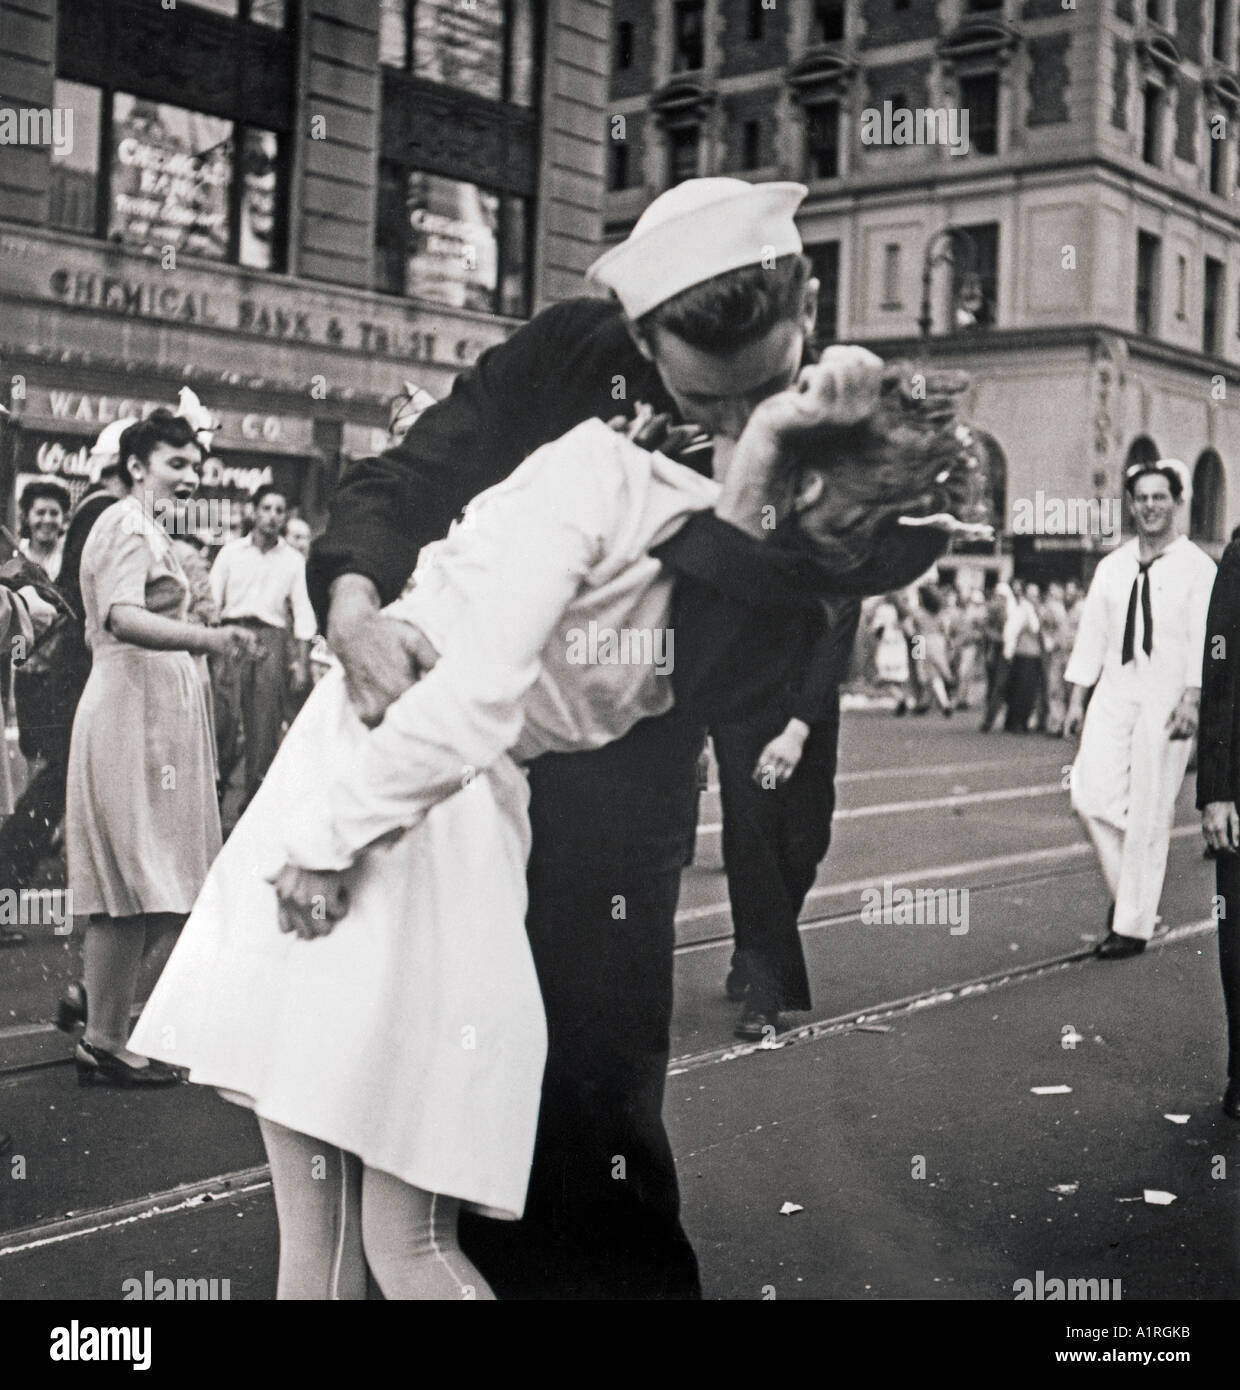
[1141, 450]
[1209, 503]
[996, 471]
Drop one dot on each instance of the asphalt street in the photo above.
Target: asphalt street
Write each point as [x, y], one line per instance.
[961, 1110]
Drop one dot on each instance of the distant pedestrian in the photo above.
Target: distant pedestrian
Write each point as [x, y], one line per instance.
[1022, 647]
[43, 507]
[891, 655]
[259, 582]
[929, 650]
[998, 666]
[1139, 648]
[1053, 618]
[969, 654]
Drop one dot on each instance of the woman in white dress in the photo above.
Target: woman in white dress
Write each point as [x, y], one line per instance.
[550, 619]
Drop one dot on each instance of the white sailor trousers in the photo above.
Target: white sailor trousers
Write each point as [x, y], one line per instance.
[1124, 783]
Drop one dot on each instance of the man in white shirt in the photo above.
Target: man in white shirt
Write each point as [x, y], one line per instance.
[259, 581]
[1139, 645]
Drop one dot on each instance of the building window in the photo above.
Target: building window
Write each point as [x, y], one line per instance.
[488, 47]
[901, 4]
[152, 176]
[1181, 287]
[446, 241]
[979, 96]
[891, 276]
[1154, 11]
[1218, 41]
[618, 180]
[682, 154]
[1211, 306]
[624, 45]
[755, 27]
[985, 239]
[751, 143]
[1151, 121]
[269, 12]
[825, 263]
[979, 6]
[1208, 507]
[74, 203]
[828, 21]
[822, 140]
[1218, 145]
[688, 37]
[1149, 250]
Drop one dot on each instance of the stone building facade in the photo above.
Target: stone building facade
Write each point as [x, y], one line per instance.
[1090, 281]
[293, 206]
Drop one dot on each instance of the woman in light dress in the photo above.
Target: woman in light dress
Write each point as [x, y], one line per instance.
[141, 823]
[411, 839]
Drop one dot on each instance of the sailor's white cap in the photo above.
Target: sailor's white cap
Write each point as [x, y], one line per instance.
[108, 445]
[695, 231]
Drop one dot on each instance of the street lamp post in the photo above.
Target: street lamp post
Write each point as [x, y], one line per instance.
[969, 296]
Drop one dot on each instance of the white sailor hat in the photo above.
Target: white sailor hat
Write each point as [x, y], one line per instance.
[1163, 466]
[107, 447]
[695, 231]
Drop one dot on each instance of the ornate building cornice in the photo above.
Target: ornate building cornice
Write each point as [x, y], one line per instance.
[682, 102]
[821, 74]
[979, 41]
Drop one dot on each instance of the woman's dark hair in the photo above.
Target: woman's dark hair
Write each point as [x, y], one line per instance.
[41, 490]
[1138, 471]
[734, 309]
[910, 458]
[161, 426]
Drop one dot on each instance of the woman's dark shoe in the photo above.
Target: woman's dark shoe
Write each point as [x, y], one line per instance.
[1231, 1100]
[71, 1011]
[95, 1067]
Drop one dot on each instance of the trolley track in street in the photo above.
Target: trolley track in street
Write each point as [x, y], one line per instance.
[237, 1184]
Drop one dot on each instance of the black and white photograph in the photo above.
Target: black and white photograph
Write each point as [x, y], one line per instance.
[620, 664]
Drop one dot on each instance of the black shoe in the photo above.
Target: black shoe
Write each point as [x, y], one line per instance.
[71, 1010]
[96, 1067]
[1116, 947]
[901, 708]
[947, 711]
[736, 986]
[9, 937]
[755, 1021]
[921, 709]
[1231, 1100]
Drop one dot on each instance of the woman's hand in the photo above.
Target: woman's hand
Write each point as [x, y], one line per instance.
[311, 901]
[842, 388]
[237, 643]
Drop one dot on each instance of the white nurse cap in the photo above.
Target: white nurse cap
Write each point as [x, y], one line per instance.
[695, 231]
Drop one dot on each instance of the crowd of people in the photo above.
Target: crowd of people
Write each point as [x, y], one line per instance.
[1003, 652]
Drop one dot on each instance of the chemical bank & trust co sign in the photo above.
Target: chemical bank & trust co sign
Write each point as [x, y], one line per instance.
[131, 286]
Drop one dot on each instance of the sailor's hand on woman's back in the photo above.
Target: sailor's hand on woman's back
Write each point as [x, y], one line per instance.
[382, 657]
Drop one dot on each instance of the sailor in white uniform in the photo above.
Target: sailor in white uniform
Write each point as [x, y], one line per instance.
[1139, 645]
